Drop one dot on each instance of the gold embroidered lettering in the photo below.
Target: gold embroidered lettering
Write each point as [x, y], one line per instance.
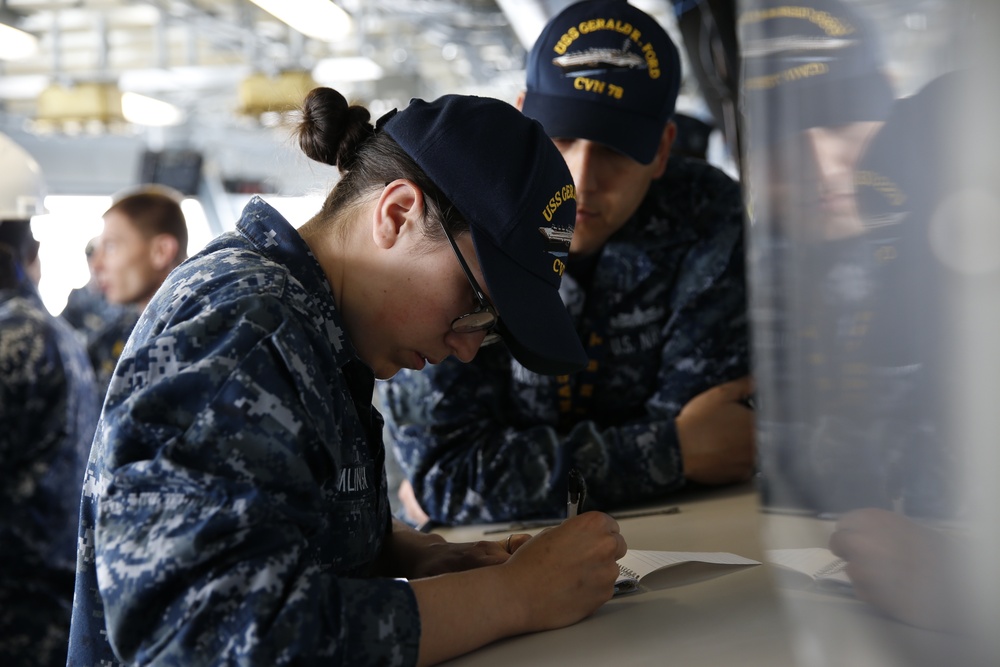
[590, 85]
[652, 62]
[561, 195]
[830, 24]
[567, 38]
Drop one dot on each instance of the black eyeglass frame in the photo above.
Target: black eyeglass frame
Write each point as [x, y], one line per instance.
[485, 308]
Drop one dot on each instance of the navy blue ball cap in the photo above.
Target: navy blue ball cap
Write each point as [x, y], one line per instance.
[507, 179]
[604, 71]
[810, 63]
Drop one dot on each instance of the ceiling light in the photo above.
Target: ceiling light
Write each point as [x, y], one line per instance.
[103, 102]
[331, 71]
[184, 78]
[16, 44]
[319, 19]
[22, 86]
[143, 110]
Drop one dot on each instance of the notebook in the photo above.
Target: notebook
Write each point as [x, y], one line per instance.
[815, 567]
[636, 564]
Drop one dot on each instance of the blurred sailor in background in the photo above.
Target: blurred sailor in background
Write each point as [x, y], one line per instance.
[874, 232]
[48, 412]
[145, 237]
[832, 389]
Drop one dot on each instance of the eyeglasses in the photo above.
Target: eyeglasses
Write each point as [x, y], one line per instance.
[484, 317]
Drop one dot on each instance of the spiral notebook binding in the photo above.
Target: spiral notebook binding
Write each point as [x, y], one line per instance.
[628, 580]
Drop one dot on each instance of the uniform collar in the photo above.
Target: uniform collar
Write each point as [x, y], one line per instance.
[274, 238]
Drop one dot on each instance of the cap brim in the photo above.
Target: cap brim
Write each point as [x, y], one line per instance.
[534, 322]
[635, 135]
[776, 114]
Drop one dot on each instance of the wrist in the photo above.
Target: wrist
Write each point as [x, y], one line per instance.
[513, 599]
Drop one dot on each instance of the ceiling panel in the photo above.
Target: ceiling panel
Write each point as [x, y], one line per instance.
[441, 45]
[196, 55]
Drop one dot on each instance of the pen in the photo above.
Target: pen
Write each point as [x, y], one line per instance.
[544, 523]
[650, 512]
[577, 493]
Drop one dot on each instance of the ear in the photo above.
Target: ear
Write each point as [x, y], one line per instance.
[519, 102]
[163, 251]
[663, 150]
[400, 207]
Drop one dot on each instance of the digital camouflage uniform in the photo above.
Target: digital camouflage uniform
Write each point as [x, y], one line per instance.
[235, 500]
[664, 319]
[48, 412]
[106, 344]
[88, 311]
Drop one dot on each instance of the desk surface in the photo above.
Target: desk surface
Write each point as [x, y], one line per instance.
[732, 619]
[738, 618]
[837, 630]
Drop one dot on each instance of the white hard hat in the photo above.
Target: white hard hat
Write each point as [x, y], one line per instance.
[22, 188]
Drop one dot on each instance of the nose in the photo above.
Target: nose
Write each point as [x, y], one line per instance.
[579, 157]
[464, 346]
[97, 262]
[836, 153]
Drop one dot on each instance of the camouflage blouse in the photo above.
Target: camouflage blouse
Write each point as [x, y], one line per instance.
[48, 412]
[235, 500]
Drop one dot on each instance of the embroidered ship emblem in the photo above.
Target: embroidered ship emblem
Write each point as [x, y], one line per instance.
[762, 47]
[599, 60]
[558, 239]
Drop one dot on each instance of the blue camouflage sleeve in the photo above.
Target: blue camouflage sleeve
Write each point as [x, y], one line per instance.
[214, 541]
[450, 429]
[470, 464]
[706, 340]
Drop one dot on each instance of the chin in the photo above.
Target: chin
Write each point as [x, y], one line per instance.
[386, 372]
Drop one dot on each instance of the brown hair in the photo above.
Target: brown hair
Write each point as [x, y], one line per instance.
[339, 134]
[154, 210]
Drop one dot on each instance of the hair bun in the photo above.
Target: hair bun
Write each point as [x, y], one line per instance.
[331, 130]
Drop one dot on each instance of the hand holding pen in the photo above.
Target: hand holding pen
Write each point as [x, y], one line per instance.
[576, 496]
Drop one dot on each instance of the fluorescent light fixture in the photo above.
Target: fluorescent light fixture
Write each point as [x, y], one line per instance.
[23, 86]
[143, 110]
[153, 80]
[319, 19]
[339, 70]
[16, 44]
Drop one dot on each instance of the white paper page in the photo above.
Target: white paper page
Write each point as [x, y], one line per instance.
[814, 562]
[637, 563]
